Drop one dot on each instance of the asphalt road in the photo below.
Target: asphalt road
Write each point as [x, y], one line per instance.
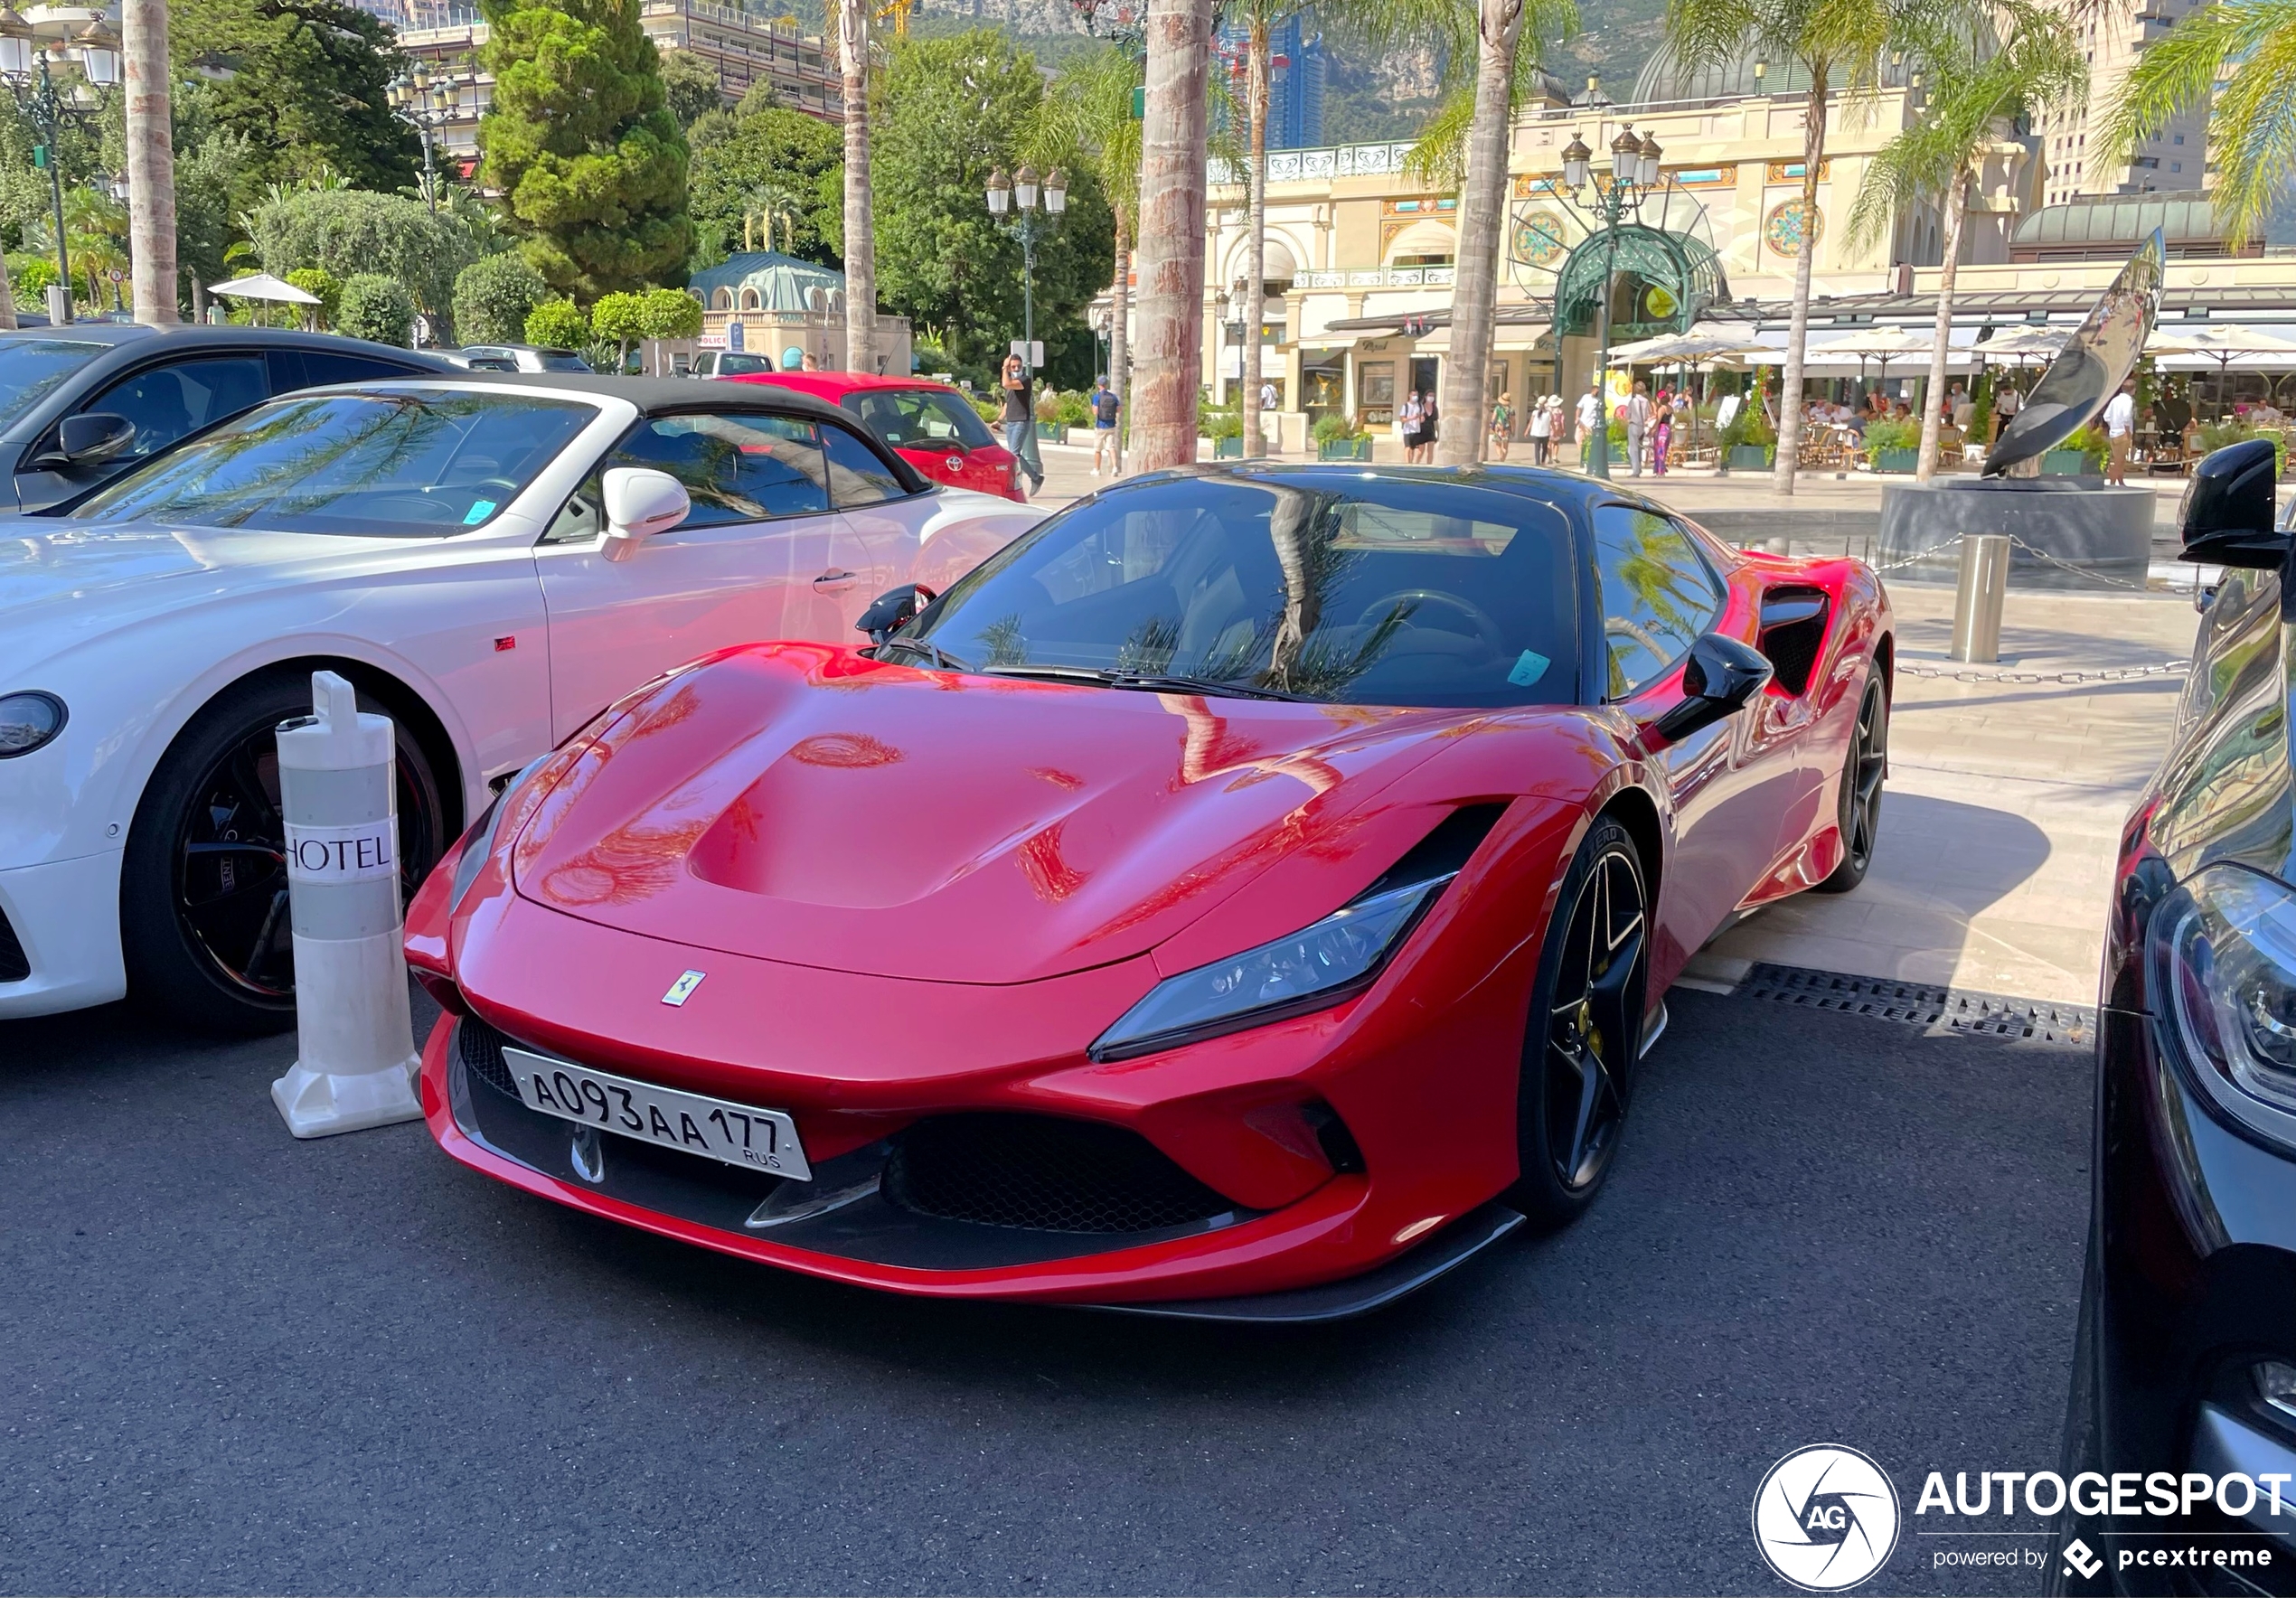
[236, 1363]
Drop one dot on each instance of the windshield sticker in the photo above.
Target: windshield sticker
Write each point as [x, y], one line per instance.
[481, 509]
[1529, 667]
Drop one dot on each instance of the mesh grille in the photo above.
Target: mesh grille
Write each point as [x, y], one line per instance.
[1986, 1015]
[14, 966]
[480, 1048]
[1045, 1174]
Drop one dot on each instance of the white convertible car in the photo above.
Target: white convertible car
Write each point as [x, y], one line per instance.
[492, 560]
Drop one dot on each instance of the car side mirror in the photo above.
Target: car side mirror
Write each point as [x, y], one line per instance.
[2228, 509]
[1720, 679]
[89, 439]
[640, 503]
[892, 610]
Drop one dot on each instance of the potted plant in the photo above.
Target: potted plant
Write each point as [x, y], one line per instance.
[1892, 444]
[2081, 456]
[1747, 441]
[1337, 438]
[1224, 425]
[1058, 410]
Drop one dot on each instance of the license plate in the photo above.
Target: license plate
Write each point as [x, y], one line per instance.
[719, 1129]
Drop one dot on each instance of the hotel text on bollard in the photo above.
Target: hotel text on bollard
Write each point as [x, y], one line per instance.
[356, 1060]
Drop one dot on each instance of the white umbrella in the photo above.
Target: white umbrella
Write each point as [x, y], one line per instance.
[2221, 342]
[1706, 344]
[262, 286]
[2023, 344]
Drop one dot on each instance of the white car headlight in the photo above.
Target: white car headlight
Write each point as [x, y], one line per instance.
[28, 721]
[2224, 965]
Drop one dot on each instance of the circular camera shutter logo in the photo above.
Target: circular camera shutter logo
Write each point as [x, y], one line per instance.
[1826, 1517]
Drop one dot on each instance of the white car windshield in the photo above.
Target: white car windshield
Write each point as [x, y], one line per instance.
[375, 464]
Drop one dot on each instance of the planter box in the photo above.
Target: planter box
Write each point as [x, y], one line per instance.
[1896, 460]
[2065, 462]
[1052, 433]
[1227, 449]
[1749, 458]
[1344, 449]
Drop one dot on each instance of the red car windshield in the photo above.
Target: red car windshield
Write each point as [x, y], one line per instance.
[1317, 585]
[919, 419]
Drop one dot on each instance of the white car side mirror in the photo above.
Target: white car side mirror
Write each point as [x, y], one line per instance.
[640, 503]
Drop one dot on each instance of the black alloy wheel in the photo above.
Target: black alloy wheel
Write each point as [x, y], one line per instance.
[204, 891]
[1585, 1030]
[1862, 771]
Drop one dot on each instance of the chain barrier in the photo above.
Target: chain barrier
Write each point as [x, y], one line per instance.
[2108, 674]
[2043, 556]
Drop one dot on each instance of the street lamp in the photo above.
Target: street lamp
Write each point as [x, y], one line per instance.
[1020, 197]
[410, 101]
[24, 67]
[1635, 177]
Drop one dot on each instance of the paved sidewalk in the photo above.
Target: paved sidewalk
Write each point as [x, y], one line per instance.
[2004, 806]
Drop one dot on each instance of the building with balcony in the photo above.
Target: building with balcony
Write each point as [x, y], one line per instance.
[2175, 158]
[765, 302]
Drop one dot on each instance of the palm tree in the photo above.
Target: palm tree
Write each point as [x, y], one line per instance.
[1985, 82]
[1259, 19]
[151, 161]
[2249, 46]
[1837, 43]
[1085, 121]
[1500, 26]
[1173, 147]
[861, 238]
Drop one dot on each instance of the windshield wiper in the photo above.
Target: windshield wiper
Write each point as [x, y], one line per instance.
[1150, 681]
[931, 652]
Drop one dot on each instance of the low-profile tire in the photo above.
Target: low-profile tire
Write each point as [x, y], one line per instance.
[1863, 769]
[202, 891]
[1585, 1032]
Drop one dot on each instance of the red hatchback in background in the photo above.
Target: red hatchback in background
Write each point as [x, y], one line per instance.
[933, 426]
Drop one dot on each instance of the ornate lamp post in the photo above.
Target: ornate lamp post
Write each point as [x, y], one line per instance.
[1634, 177]
[24, 68]
[411, 100]
[1013, 204]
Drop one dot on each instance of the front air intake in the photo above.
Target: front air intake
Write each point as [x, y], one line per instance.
[480, 1048]
[1045, 1174]
[15, 966]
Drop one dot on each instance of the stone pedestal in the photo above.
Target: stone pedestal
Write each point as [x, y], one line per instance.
[2103, 533]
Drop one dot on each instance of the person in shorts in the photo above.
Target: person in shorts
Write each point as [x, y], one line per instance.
[1502, 425]
[1105, 406]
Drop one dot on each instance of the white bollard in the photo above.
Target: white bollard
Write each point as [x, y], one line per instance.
[355, 1058]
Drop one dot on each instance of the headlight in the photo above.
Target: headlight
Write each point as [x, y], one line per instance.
[1312, 969]
[28, 721]
[479, 841]
[2223, 963]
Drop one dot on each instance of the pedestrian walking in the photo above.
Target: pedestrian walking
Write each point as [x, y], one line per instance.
[1590, 415]
[1502, 425]
[1411, 418]
[1636, 413]
[1105, 407]
[2119, 431]
[1542, 432]
[1017, 415]
[1430, 419]
[1661, 432]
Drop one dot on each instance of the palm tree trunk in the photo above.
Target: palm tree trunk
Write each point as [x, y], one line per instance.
[1172, 233]
[1255, 87]
[151, 162]
[861, 238]
[1813, 157]
[1482, 209]
[1120, 333]
[1956, 208]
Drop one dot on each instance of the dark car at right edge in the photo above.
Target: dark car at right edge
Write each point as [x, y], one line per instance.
[2184, 1388]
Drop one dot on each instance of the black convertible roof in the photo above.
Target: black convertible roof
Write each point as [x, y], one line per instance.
[662, 396]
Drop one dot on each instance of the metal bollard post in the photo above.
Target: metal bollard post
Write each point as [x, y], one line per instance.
[1977, 601]
[1777, 546]
[356, 1060]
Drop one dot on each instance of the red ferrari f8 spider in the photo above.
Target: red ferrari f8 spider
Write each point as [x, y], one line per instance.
[1245, 895]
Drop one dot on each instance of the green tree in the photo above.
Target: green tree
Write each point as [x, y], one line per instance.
[1836, 44]
[2249, 48]
[327, 285]
[582, 145]
[668, 312]
[1086, 124]
[558, 324]
[376, 307]
[764, 161]
[621, 318]
[349, 233]
[948, 110]
[304, 81]
[1984, 85]
[493, 297]
[690, 87]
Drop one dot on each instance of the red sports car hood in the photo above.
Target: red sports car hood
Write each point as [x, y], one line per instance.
[802, 803]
